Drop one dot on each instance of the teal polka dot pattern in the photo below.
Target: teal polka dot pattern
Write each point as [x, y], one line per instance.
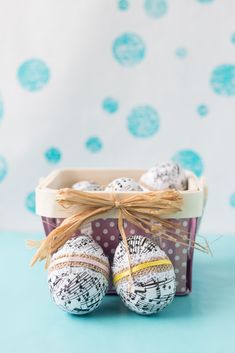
[151, 79]
[53, 155]
[3, 168]
[129, 49]
[232, 200]
[33, 75]
[1, 108]
[222, 80]
[30, 202]
[190, 160]
[123, 5]
[156, 8]
[143, 122]
[181, 53]
[202, 110]
[93, 144]
[110, 105]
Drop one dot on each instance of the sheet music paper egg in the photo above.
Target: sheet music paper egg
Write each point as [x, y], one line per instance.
[152, 286]
[123, 184]
[167, 175]
[78, 275]
[86, 185]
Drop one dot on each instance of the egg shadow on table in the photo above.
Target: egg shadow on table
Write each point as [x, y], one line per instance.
[112, 306]
[180, 307]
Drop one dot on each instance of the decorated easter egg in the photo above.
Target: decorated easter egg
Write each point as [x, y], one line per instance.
[151, 286]
[167, 175]
[86, 185]
[123, 184]
[78, 275]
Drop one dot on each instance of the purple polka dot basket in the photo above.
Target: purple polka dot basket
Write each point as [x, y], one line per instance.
[105, 230]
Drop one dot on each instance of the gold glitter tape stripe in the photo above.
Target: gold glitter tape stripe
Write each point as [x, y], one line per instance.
[140, 267]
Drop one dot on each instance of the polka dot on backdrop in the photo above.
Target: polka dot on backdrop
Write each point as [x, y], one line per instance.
[143, 122]
[33, 75]
[1, 108]
[205, 1]
[233, 38]
[232, 200]
[222, 80]
[110, 105]
[3, 168]
[93, 144]
[190, 160]
[129, 49]
[30, 202]
[181, 53]
[156, 8]
[53, 155]
[123, 5]
[202, 110]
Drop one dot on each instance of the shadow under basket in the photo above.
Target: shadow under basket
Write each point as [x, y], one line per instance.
[105, 230]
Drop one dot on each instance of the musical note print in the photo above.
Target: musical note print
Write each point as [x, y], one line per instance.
[78, 275]
[153, 276]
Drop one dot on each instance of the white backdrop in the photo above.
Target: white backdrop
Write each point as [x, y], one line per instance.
[107, 83]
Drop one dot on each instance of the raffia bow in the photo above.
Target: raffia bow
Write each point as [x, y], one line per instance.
[147, 211]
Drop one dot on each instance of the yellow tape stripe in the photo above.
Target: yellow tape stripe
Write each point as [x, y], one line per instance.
[139, 267]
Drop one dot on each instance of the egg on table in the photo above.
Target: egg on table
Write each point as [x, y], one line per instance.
[78, 275]
[152, 284]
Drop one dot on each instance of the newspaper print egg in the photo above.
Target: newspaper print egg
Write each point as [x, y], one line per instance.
[86, 185]
[167, 175]
[78, 275]
[123, 184]
[152, 286]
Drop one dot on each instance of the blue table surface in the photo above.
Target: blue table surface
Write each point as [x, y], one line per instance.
[203, 321]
